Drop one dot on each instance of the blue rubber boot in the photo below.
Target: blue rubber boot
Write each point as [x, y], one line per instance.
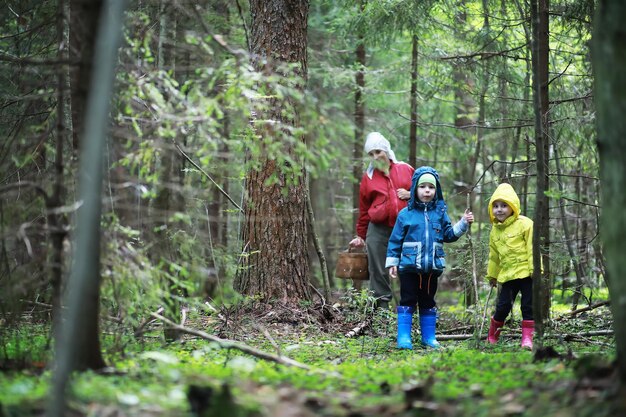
[405, 321]
[428, 323]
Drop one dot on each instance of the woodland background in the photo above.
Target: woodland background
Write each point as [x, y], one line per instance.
[233, 149]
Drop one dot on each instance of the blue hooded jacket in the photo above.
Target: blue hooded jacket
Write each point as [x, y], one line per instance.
[416, 242]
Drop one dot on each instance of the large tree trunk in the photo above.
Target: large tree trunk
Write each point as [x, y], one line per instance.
[85, 16]
[79, 344]
[274, 263]
[541, 235]
[609, 63]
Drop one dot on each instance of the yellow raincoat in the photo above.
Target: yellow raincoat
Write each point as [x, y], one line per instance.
[510, 242]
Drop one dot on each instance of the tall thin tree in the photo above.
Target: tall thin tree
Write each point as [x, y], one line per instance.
[540, 47]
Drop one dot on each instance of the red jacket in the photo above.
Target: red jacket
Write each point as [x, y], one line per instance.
[378, 199]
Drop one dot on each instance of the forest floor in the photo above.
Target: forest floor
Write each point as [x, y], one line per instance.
[331, 374]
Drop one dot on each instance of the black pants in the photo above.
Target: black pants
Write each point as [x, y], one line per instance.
[507, 297]
[418, 289]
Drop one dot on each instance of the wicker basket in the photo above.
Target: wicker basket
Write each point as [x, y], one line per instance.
[352, 265]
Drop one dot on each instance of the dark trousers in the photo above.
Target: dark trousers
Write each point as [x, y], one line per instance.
[376, 242]
[418, 289]
[507, 298]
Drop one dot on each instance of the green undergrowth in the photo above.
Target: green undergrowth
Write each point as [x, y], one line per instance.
[346, 374]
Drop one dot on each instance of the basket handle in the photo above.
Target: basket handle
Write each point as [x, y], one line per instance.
[352, 249]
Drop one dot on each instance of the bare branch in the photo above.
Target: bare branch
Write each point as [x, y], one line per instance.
[583, 309]
[231, 344]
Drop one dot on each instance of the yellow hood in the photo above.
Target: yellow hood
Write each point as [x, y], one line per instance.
[506, 193]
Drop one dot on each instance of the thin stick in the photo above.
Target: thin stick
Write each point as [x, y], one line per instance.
[474, 272]
[482, 323]
[232, 344]
[583, 309]
[199, 168]
[567, 337]
[316, 241]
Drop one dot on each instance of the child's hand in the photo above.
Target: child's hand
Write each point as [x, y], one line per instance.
[468, 216]
[493, 282]
[403, 194]
[393, 272]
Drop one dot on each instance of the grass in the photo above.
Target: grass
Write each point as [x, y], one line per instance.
[349, 376]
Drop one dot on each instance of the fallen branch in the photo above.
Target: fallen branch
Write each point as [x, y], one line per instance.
[116, 320]
[457, 336]
[358, 330]
[140, 329]
[589, 334]
[231, 344]
[551, 336]
[583, 309]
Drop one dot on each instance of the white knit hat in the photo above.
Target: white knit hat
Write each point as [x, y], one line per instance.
[376, 140]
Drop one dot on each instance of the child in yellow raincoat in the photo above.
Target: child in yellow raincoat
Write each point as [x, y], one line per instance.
[510, 261]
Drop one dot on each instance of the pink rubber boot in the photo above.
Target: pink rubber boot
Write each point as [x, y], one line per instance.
[494, 331]
[528, 329]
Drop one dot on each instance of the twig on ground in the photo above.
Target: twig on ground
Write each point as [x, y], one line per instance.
[112, 319]
[319, 294]
[588, 334]
[568, 337]
[270, 338]
[231, 344]
[140, 329]
[359, 328]
[583, 309]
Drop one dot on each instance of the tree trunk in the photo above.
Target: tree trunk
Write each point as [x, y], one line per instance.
[569, 242]
[413, 99]
[359, 132]
[79, 344]
[85, 15]
[57, 198]
[609, 62]
[541, 293]
[169, 199]
[274, 263]
[359, 126]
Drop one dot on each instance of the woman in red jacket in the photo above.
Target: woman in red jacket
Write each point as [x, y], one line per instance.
[384, 191]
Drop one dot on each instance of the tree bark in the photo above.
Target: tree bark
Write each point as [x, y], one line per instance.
[359, 125]
[541, 293]
[168, 200]
[359, 131]
[571, 250]
[274, 263]
[609, 62]
[57, 198]
[85, 15]
[413, 99]
[79, 345]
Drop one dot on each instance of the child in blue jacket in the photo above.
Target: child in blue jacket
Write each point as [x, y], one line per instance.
[415, 252]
